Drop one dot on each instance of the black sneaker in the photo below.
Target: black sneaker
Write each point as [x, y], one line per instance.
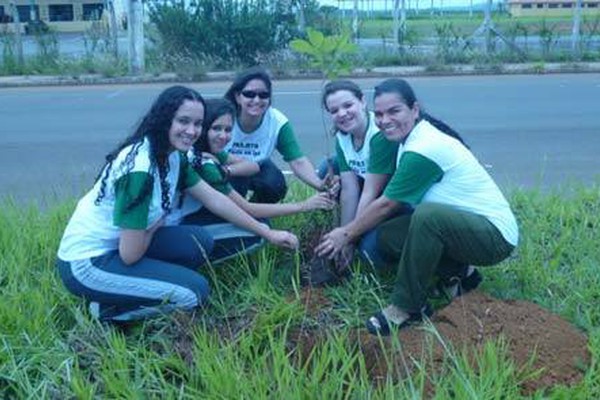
[455, 287]
[464, 285]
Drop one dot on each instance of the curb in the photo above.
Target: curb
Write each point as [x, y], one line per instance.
[375, 72]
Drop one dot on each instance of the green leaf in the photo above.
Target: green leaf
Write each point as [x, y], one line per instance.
[302, 46]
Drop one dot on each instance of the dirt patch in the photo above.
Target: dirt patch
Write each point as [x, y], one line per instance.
[529, 331]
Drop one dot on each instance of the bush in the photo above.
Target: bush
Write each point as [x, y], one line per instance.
[226, 31]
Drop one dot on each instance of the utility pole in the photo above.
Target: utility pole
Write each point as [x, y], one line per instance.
[136, 37]
[18, 38]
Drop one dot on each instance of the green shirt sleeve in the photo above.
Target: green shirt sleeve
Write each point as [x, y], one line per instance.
[222, 156]
[187, 175]
[382, 155]
[415, 175]
[211, 173]
[287, 144]
[127, 189]
[341, 158]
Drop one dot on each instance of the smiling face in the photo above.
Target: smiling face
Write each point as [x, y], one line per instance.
[393, 117]
[219, 133]
[186, 125]
[253, 99]
[347, 111]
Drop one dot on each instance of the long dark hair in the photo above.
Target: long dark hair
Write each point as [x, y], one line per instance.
[215, 108]
[154, 126]
[407, 95]
[242, 79]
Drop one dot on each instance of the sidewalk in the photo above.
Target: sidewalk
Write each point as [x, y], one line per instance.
[96, 79]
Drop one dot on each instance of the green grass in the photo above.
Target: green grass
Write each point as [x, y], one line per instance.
[241, 346]
[424, 25]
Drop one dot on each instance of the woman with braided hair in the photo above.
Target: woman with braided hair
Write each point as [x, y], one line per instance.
[117, 252]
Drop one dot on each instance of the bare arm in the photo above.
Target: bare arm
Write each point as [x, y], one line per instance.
[238, 166]
[133, 243]
[373, 187]
[349, 195]
[264, 210]
[334, 241]
[224, 207]
[303, 169]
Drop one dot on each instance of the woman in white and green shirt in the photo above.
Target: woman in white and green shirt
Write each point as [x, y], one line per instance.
[213, 165]
[460, 216]
[117, 252]
[259, 130]
[365, 159]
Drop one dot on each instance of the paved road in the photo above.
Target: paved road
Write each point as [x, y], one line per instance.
[533, 131]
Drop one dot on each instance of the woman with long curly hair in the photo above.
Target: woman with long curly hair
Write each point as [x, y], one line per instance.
[117, 252]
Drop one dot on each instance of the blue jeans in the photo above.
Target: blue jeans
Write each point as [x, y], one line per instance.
[268, 185]
[229, 240]
[323, 167]
[163, 280]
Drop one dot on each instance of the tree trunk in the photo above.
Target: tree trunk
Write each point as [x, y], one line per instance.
[575, 37]
[355, 20]
[136, 37]
[18, 38]
[396, 23]
[114, 32]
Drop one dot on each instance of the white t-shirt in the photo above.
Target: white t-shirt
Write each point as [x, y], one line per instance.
[91, 230]
[257, 145]
[358, 160]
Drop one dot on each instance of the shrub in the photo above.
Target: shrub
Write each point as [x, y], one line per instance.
[224, 30]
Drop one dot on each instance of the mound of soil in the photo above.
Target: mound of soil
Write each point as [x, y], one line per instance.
[529, 331]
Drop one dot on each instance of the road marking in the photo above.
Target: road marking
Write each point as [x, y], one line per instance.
[114, 94]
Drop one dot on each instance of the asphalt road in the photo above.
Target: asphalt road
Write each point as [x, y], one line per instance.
[530, 131]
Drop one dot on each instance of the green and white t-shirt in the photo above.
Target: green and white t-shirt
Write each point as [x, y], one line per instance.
[94, 230]
[212, 174]
[376, 156]
[434, 167]
[274, 133]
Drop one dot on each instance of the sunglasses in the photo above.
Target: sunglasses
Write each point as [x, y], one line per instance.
[250, 94]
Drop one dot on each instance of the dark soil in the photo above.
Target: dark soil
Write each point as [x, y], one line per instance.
[529, 331]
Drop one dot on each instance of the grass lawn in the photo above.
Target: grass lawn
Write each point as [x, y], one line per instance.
[239, 346]
[425, 26]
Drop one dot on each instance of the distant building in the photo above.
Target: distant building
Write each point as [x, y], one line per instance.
[551, 8]
[59, 15]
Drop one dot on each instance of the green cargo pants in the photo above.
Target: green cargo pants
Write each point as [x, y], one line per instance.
[436, 240]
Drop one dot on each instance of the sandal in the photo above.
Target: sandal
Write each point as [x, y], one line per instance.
[378, 324]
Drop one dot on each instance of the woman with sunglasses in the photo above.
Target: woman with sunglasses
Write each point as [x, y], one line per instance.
[259, 130]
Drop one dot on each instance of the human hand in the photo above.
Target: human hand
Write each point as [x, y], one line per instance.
[319, 201]
[332, 243]
[210, 156]
[344, 258]
[331, 185]
[283, 239]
